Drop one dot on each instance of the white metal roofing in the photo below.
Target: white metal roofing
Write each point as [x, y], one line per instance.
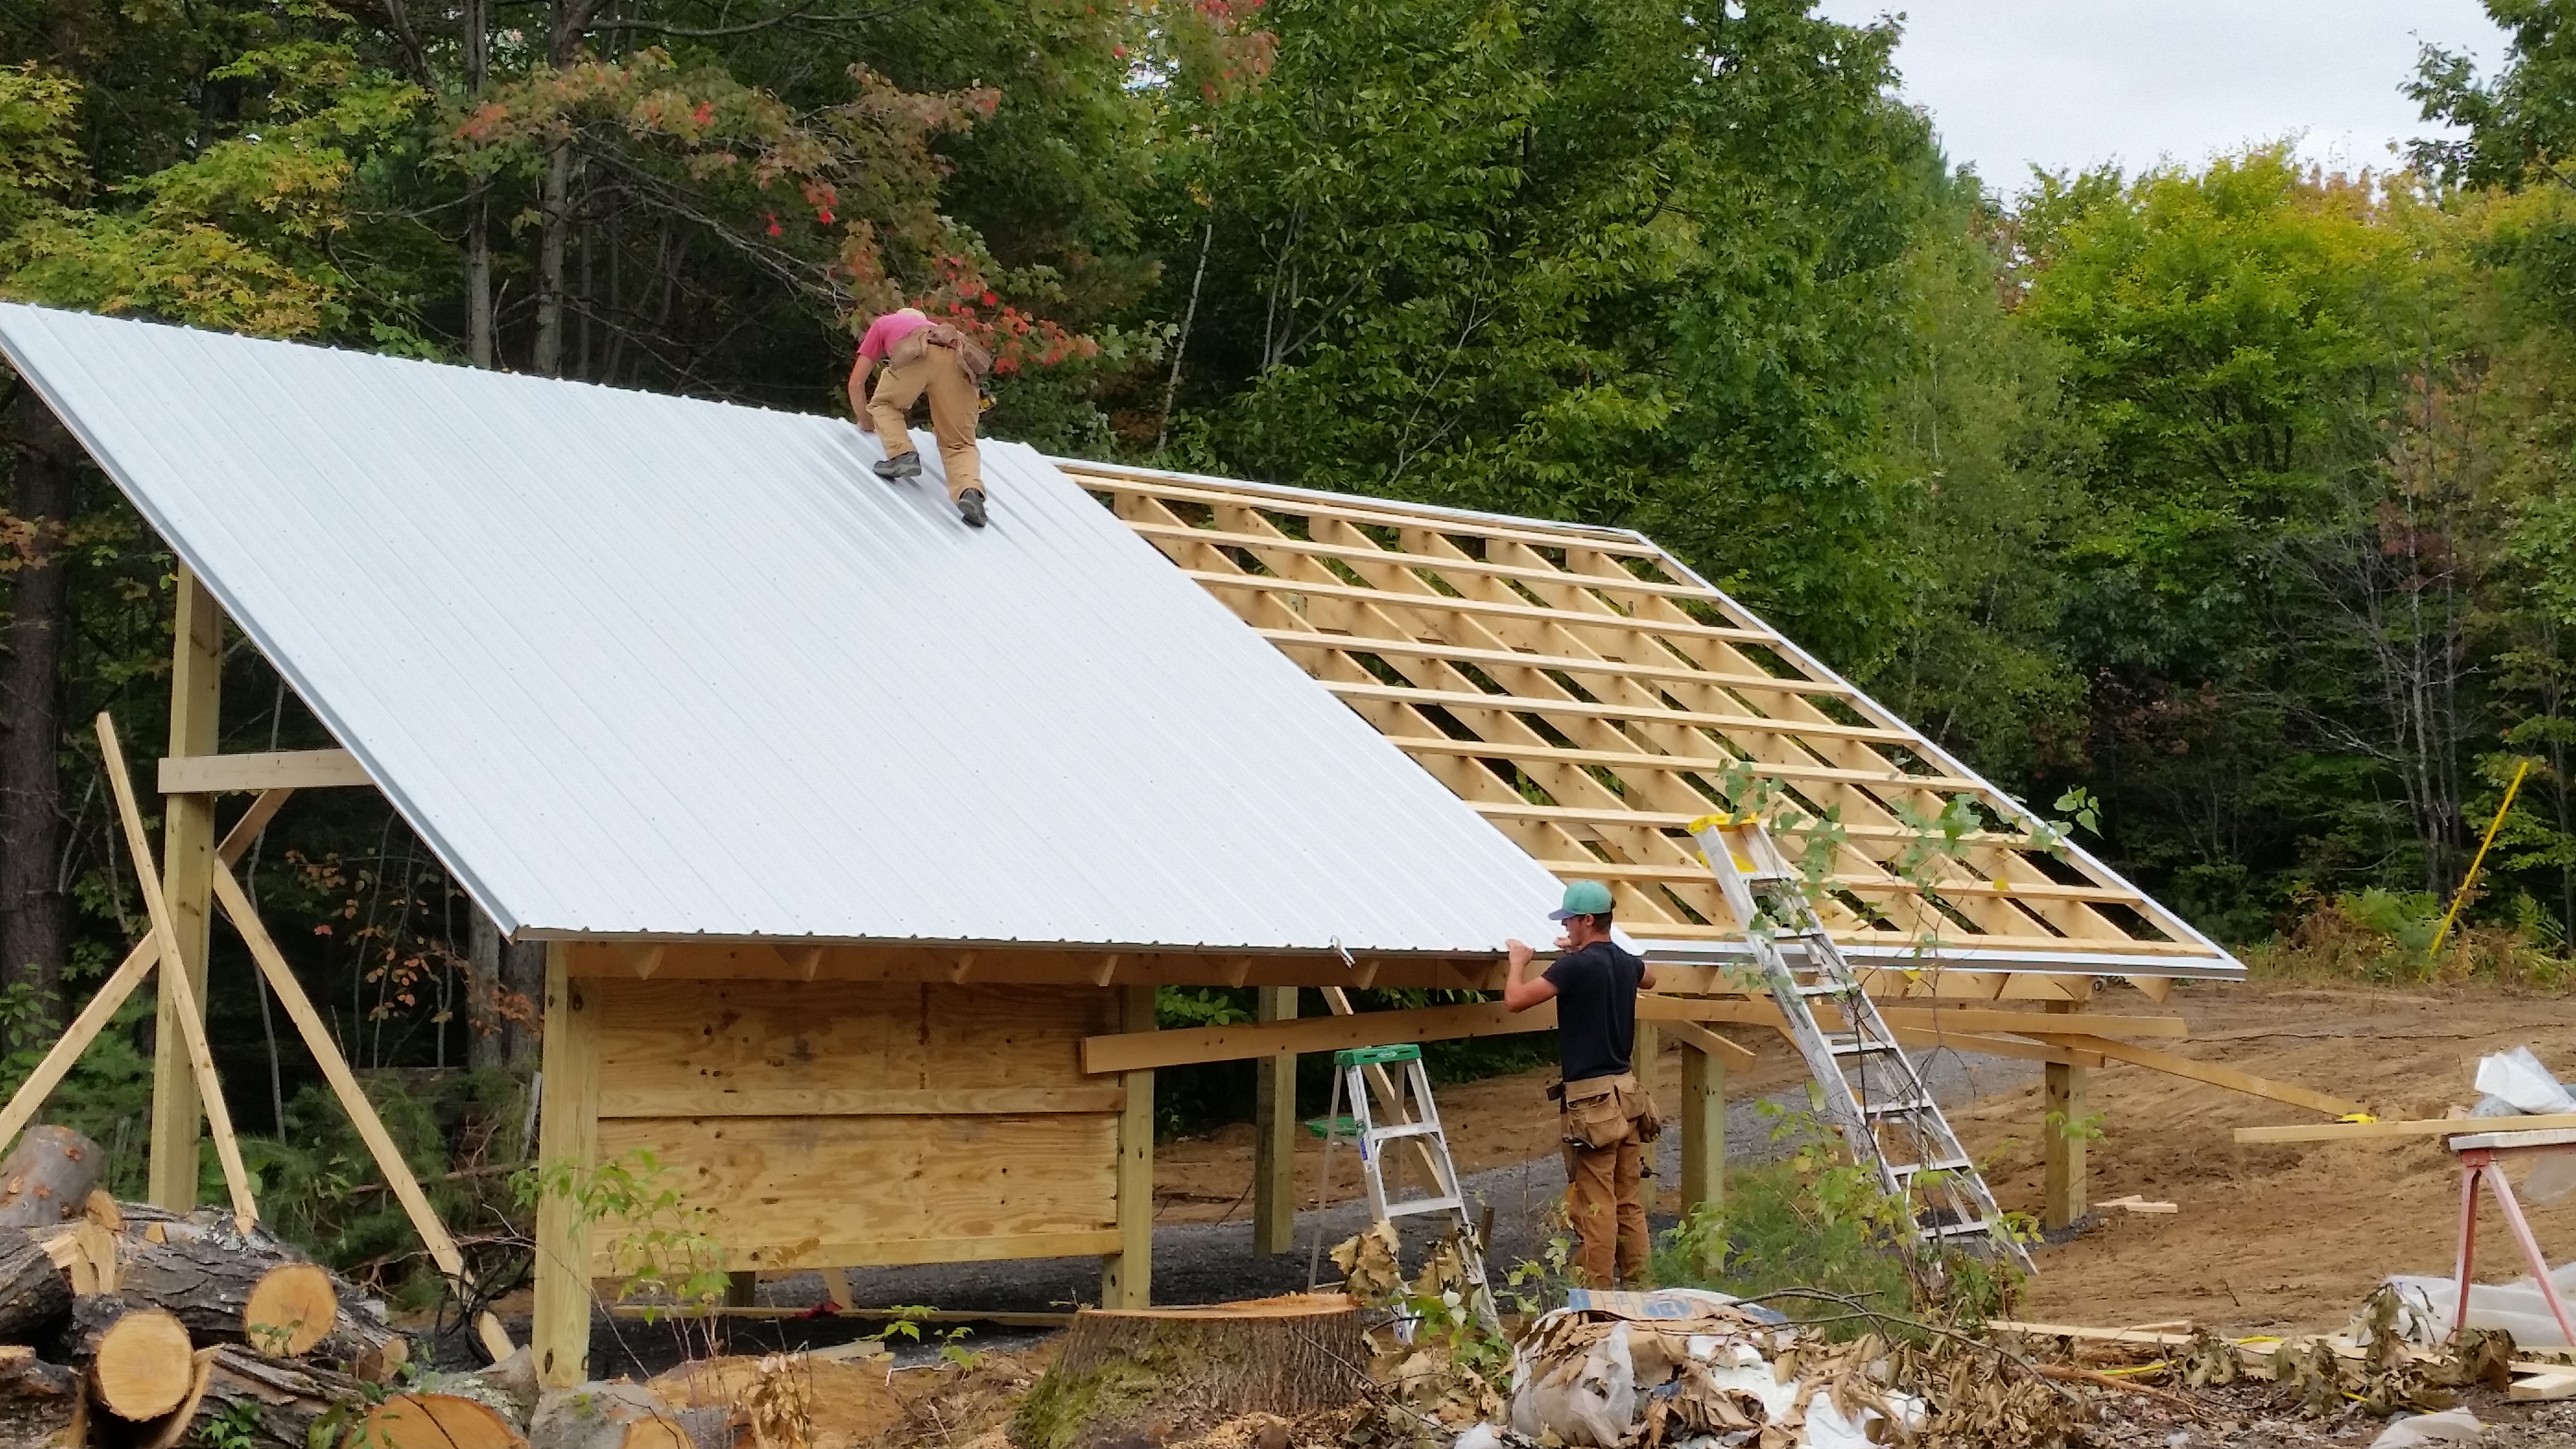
[637, 665]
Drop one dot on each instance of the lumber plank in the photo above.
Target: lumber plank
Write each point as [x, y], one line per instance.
[352, 1098]
[1453, 699]
[2209, 1072]
[686, 1099]
[1675, 673]
[1709, 1044]
[2420, 1127]
[1993, 1046]
[568, 1136]
[1381, 512]
[1450, 604]
[267, 770]
[1180, 1047]
[1280, 543]
[2543, 1388]
[1127, 1274]
[1714, 762]
[187, 838]
[186, 1012]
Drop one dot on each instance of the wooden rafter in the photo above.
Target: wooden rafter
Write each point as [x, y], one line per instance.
[1589, 695]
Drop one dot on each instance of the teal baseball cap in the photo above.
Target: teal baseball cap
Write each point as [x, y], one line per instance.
[1583, 898]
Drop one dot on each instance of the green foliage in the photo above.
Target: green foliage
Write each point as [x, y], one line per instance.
[659, 1245]
[1817, 1222]
[237, 1427]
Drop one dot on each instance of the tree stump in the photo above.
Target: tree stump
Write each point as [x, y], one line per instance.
[46, 1179]
[34, 1293]
[1123, 1369]
[437, 1421]
[271, 1402]
[141, 1364]
[606, 1415]
[40, 1403]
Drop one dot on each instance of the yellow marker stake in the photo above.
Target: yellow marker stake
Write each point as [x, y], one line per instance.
[2477, 860]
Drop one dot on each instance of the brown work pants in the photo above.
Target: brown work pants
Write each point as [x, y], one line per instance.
[955, 407]
[1605, 1193]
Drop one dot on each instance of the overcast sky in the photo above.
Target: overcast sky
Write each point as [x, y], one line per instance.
[2069, 84]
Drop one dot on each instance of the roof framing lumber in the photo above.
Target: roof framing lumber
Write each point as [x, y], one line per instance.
[1588, 694]
[272, 770]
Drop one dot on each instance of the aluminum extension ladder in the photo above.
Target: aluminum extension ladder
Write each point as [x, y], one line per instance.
[1354, 1072]
[1872, 1094]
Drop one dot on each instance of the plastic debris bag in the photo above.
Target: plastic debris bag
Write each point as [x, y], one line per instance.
[2428, 1431]
[2426, 1306]
[2518, 1078]
[1591, 1400]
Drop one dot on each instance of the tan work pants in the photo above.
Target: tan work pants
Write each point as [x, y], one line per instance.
[1605, 1192]
[954, 410]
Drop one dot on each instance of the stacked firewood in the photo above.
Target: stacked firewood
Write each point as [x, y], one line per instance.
[127, 1327]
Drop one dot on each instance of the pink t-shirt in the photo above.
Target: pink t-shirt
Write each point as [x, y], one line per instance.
[888, 330]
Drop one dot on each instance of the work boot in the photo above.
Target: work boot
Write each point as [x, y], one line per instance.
[898, 467]
[970, 506]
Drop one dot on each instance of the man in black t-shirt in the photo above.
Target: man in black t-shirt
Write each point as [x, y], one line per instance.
[1606, 1118]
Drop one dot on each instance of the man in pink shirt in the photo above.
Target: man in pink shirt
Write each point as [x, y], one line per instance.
[923, 356]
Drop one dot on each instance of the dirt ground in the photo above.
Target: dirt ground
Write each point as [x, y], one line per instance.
[2268, 1237]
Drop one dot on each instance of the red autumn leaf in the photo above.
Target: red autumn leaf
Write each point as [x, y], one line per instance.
[774, 228]
[705, 114]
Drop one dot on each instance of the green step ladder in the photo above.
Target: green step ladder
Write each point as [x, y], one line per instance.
[1362, 1078]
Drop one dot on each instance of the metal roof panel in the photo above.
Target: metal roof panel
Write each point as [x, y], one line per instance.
[637, 665]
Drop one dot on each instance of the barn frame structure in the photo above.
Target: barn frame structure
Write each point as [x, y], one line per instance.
[847, 1076]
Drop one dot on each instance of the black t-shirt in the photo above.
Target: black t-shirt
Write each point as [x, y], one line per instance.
[1596, 1010]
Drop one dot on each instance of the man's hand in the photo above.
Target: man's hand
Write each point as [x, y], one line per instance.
[1519, 995]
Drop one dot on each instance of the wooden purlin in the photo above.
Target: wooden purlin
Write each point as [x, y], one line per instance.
[1588, 697]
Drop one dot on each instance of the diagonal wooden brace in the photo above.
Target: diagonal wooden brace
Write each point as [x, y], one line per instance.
[192, 1022]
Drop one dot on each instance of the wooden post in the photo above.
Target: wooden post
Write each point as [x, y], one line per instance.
[2062, 1136]
[187, 881]
[567, 1135]
[1127, 1276]
[1274, 1134]
[1703, 1128]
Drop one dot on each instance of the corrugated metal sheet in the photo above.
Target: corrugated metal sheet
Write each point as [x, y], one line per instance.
[646, 666]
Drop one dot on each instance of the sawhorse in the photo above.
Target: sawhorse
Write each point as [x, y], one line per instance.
[2478, 1155]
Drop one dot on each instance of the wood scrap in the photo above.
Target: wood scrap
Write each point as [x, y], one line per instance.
[48, 1177]
[2544, 1388]
[438, 1421]
[40, 1403]
[2137, 1204]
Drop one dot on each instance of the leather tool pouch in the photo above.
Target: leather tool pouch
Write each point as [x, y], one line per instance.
[1596, 1111]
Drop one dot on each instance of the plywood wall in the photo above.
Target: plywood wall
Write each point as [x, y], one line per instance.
[847, 1123]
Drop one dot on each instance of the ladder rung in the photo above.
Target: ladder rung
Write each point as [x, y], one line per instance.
[1853, 1046]
[1946, 1164]
[1402, 1129]
[1425, 1205]
[1969, 1229]
[1896, 1109]
[1827, 989]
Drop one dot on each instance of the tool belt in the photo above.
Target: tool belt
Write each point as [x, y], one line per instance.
[914, 345]
[1601, 1112]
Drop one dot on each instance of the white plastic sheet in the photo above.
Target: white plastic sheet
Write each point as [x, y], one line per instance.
[2427, 1431]
[2518, 1079]
[2426, 1306]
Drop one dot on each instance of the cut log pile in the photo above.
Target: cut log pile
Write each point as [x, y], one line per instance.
[128, 1327]
[124, 1326]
